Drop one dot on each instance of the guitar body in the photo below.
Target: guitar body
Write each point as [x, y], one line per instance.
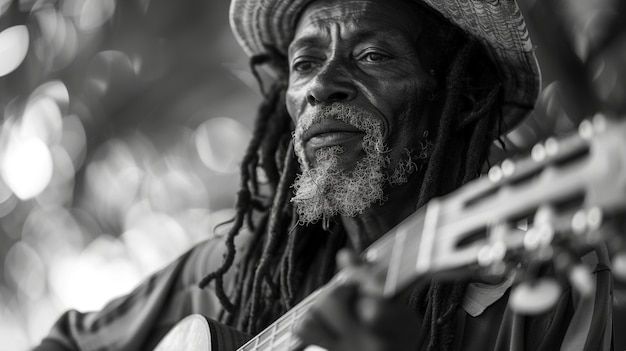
[192, 333]
[198, 333]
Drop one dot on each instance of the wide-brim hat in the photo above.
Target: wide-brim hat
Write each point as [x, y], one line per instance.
[497, 24]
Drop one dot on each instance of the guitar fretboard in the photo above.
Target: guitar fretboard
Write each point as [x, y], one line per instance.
[279, 336]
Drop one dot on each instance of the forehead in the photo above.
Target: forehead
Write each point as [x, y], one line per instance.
[393, 17]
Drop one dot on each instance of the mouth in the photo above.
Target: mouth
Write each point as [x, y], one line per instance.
[331, 132]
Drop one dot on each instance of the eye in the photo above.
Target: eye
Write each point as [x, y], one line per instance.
[303, 65]
[373, 57]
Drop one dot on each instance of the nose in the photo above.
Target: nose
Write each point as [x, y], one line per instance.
[331, 84]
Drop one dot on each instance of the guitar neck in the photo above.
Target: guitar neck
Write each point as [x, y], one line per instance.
[279, 336]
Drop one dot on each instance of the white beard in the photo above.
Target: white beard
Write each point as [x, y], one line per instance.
[326, 190]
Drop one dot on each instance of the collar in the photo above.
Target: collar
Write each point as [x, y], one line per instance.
[479, 296]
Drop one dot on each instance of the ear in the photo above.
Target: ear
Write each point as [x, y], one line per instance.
[277, 63]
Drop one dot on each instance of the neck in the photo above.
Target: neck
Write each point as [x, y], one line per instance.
[378, 219]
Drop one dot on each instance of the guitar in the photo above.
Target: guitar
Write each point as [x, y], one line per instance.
[564, 193]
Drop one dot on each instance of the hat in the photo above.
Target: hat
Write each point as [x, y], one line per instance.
[497, 24]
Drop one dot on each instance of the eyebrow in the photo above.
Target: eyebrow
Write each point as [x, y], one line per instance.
[306, 41]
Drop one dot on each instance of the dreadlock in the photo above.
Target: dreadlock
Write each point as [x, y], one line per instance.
[459, 153]
[269, 275]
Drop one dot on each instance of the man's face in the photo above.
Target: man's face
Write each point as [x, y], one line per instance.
[358, 95]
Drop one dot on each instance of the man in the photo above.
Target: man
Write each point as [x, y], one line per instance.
[377, 107]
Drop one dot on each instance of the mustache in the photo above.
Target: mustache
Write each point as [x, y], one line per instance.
[335, 116]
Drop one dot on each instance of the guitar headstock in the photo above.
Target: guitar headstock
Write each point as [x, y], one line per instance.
[549, 207]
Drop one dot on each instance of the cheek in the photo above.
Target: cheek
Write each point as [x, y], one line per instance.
[402, 105]
[410, 122]
[292, 102]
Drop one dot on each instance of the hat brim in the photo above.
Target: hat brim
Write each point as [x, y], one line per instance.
[497, 24]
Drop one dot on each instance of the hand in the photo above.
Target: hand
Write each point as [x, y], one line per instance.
[347, 318]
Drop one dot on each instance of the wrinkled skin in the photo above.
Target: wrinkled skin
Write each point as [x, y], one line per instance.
[366, 54]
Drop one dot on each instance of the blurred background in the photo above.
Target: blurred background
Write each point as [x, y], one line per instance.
[122, 124]
[121, 127]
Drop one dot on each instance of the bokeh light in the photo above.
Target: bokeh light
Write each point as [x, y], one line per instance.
[12, 329]
[90, 14]
[74, 140]
[101, 179]
[41, 120]
[87, 280]
[27, 167]
[14, 43]
[108, 74]
[57, 45]
[60, 189]
[25, 269]
[153, 239]
[56, 90]
[118, 170]
[221, 143]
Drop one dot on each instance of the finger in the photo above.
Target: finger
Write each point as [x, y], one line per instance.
[354, 270]
[389, 323]
[368, 310]
[313, 329]
[336, 306]
[378, 313]
[331, 318]
[347, 259]
[372, 310]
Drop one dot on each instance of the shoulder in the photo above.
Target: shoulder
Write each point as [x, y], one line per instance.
[208, 255]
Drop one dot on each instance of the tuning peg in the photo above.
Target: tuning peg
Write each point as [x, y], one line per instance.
[505, 170]
[490, 258]
[495, 249]
[491, 253]
[543, 230]
[587, 220]
[539, 236]
[588, 128]
[534, 297]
